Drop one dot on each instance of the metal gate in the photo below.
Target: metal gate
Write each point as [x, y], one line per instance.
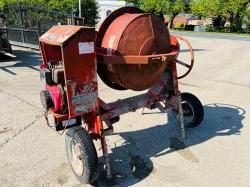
[25, 24]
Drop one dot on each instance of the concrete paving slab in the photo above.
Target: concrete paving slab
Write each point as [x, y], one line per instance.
[145, 150]
[17, 115]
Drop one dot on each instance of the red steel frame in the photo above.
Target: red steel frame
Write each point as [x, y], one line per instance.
[166, 90]
[160, 92]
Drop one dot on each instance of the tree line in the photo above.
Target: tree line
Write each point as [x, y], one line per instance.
[233, 11]
[63, 7]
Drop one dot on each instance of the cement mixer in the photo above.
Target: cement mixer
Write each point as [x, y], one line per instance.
[131, 50]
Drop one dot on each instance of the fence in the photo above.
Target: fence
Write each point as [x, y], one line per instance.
[25, 24]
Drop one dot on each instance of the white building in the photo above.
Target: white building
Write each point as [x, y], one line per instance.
[106, 7]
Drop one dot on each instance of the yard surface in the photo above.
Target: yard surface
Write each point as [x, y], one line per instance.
[145, 150]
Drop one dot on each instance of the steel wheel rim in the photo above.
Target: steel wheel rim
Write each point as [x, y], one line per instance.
[188, 112]
[75, 157]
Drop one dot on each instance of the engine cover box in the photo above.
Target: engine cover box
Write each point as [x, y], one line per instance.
[73, 47]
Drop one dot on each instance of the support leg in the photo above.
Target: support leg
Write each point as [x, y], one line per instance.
[142, 112]
[180, 116]
[105, 154]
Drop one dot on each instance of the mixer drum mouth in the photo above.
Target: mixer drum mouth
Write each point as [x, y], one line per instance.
[133, 34]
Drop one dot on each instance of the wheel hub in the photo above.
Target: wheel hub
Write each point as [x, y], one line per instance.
[188, 112]
[75, 157]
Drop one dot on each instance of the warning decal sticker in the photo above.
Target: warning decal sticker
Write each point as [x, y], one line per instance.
[86, 47]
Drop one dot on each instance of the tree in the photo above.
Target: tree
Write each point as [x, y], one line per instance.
[232, 9]
[89, 11]
[247, 18]
[169, 7]
[89, 7]
[205, 8]
[175, 7]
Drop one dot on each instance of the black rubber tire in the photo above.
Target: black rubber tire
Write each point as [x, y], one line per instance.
[88, 154]
[6, 45]
[9, 50]
[197, 109]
